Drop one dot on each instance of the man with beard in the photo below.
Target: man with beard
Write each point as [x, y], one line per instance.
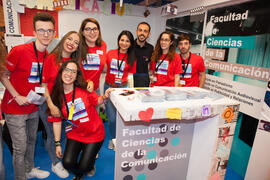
[143, 53]
[192, 64]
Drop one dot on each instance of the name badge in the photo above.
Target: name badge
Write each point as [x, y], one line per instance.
[118, 80]
[40, 90]
[182, 82]
[99, 52]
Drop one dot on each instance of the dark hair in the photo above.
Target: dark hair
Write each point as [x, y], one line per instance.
[158, 51]
[75, 56]
[58, 88]
[131, 49]
[145, 24]
[98, 41]
[183, 37]
[3, 53]
[42, 16]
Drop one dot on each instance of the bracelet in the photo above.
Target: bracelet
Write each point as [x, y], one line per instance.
[57, 143]
[13, 98]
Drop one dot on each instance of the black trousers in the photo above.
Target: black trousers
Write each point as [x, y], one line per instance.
[86, 161]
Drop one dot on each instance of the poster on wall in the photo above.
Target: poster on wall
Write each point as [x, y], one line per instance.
[188, 25]
[237, 53]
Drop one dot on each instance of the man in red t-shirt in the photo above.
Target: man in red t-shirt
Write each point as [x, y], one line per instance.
[192, 64]
[24, 66]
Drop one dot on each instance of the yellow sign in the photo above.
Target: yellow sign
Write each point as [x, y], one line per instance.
[174, 113]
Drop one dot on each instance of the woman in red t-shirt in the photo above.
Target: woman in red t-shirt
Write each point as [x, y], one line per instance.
[68, 48]
[93, 53]
[84, 128]
[165, 64]
[120, 62]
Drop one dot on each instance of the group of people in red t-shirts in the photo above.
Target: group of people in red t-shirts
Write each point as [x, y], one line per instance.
[69, 79]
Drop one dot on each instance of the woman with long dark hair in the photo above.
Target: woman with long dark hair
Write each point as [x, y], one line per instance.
[69, 48]
[84, 128]
[93, 53]
[120, 63]
[165, 64]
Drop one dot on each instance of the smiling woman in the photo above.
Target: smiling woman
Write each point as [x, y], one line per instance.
[69, 48]
[165, 65]
[120, 62]
[93, 52]
[84, 128]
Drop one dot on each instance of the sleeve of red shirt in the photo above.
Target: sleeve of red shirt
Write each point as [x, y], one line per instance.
[13, 58]
[93, 98]
[152, 66]
[108, 59]
[178, 65]
[132, 69]
[54, 119]
[46, 69]
[104, 47]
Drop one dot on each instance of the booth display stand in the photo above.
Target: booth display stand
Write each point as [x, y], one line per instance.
[169, 133]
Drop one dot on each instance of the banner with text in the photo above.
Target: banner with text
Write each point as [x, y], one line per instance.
[237, 54]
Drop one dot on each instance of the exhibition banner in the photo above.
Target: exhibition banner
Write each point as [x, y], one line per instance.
[237, 53]
[237, 58]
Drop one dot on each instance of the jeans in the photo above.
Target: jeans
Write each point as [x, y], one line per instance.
[49, 142]
[23, 132]
[2, 167]
[111, 114]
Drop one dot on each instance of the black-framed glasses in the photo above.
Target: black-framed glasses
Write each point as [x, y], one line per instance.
[67, 70]
[88, 29]
[43, 31]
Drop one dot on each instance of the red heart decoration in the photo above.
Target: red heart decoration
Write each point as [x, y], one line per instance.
[146, 115]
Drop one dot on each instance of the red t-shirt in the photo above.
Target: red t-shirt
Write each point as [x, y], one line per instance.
[195, 67]
[165, 75]
[94, 63]
[24, 76]
[90, 127]
[113, 70]
[50, 70]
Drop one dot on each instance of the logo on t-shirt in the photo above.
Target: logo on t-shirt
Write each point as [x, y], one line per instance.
[163, 68]
[34, 75]
[92, 62]
[188, 72]
[79, 112]
[114, 67]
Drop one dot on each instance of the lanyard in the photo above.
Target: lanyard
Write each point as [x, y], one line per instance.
[70, 113]
[120, 65]
[39, 70]
[185, 66]
[156, 69]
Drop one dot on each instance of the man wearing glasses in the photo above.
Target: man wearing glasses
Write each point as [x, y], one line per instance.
[24, 66]
[192, 64]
